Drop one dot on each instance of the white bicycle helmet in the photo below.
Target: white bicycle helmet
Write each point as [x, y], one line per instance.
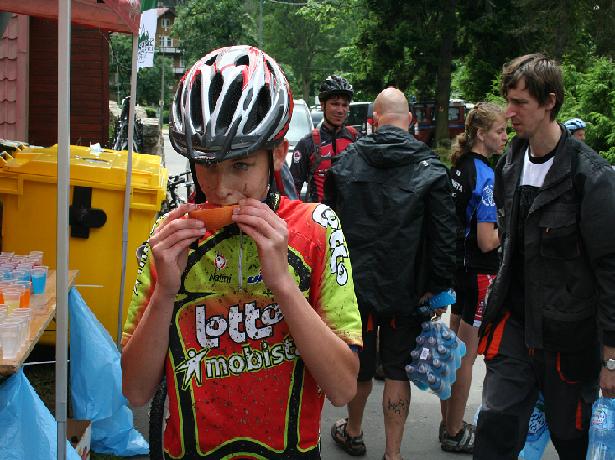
[574, 124]
[232, 102]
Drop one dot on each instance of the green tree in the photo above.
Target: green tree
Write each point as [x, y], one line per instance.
[204, 25]
[306, 37]
[410, 45]
[150, 81]
[120, 59]
[590, 95]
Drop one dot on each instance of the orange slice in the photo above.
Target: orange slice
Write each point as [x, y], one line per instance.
[214, 218]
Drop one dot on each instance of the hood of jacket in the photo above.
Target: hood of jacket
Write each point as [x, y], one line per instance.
[391, 147]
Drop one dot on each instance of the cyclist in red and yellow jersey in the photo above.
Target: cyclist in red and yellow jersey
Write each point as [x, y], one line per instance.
[255, 324]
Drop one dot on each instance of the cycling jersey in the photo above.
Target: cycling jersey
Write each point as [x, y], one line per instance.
[310, 166]
[472, 180]
[236, 383]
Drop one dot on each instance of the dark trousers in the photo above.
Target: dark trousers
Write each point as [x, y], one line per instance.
[515, 375]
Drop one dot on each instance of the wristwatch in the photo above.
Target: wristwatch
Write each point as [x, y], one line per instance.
[609, 364]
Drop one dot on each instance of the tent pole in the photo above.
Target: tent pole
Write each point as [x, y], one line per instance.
[64, 32]
[127, 193]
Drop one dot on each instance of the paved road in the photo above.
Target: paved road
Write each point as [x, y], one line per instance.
[420, 439]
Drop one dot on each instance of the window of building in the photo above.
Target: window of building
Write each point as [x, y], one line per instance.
[165, 41]
[166, 23]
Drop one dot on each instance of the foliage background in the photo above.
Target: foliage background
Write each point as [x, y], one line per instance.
[430, 49]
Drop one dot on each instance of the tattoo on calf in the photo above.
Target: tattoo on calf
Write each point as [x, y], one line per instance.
[398, 407]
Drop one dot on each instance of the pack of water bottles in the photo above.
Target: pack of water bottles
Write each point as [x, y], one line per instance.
[538, 434]
[602, 430]
[436, 358]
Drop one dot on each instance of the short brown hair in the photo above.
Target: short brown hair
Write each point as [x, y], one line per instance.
[542, 76]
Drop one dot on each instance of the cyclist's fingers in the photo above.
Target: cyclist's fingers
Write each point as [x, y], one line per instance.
[270, 233]
[169, 236]
[177, 213]
[171, 255]
[252, 207]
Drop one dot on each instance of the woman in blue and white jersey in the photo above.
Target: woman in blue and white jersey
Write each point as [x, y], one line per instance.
[477, 257]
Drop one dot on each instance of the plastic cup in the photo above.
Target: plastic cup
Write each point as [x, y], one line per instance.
[10, 336]
[24, 300]
[12, 298]
[39, 279]
[36, 257]
[7, 272]
[21, 275]
[25, 315]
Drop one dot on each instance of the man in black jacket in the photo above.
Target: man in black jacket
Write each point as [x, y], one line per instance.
[552, 304]
[394, 200]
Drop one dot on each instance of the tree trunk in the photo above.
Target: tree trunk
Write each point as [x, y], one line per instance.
[305, 87]
[443, 78]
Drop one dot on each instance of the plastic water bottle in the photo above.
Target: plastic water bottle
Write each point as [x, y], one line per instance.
[444, 354]
[440, 369]
[439, 386]
[602, 430]
[537, 434]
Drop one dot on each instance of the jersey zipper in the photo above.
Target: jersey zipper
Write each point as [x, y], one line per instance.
[240, 262]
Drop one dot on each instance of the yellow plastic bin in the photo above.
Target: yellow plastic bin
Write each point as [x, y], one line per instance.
[28, 192]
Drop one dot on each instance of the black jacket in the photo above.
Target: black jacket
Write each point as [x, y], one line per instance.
[394, 199]
[569, 249]
[303, 168]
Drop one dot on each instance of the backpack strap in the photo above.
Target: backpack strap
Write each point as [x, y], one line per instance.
[315, 160]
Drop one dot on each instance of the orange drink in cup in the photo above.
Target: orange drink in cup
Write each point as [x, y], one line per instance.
[24, 300]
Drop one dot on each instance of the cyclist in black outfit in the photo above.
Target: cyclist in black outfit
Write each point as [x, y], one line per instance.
[313, 153]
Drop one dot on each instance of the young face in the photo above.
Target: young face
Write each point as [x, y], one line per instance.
[528, 117]
[336, 110]
[579, 134]
[228, 182]
[495, 138]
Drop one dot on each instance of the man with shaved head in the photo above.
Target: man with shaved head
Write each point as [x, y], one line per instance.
[394, 200]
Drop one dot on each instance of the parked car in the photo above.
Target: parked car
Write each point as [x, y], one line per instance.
[317, 116]
[358, 116]
[300, 126]
[424, 119]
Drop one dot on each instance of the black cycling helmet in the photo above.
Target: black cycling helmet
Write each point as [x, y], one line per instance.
[232, 102]
[334, 85]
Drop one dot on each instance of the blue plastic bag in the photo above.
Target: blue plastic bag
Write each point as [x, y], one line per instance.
[28, 430]
[602, 430]
[96, 384]
[538, 433]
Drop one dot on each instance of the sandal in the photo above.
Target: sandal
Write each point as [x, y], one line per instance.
[441, 431]
[462, 442]
[353, 445]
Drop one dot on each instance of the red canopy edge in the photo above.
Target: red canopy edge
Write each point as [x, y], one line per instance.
[112, 15]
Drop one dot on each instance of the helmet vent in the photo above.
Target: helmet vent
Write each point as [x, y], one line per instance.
[211, 60]
[259, 110]
[215, 89]
[229, 104]
[196, 108]
[243, 60]
[269, 66]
